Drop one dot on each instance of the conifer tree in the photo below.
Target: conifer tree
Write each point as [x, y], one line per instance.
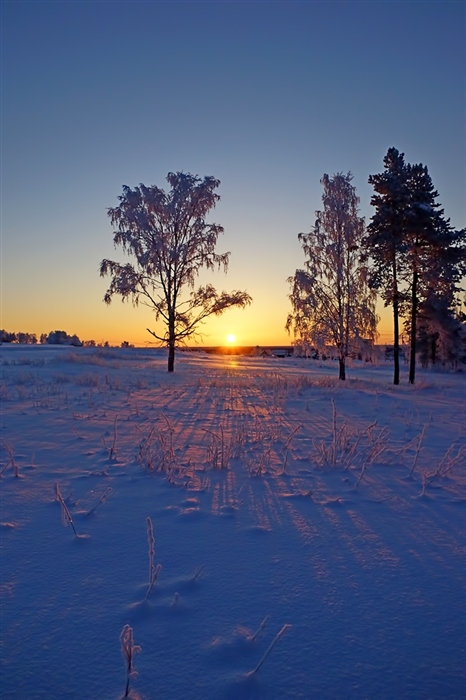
[384, 242]
[434, 256]
[411, 246]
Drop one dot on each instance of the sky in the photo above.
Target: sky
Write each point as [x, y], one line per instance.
[264, 96]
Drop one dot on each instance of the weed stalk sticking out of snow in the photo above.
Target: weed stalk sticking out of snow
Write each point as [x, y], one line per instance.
[153, 570]
[102, 499]
[112, 448]
[361, 475]
[334, 433]
[259, 629]
[219, 450]
[291, 435]
[425, 483]
[328, 456]
[65, 513]
[287, 446]
[198, 572]
[147, 452]
[285, 462]
[418, 448]
[157, 451]
[167, 449]
[449, 460]
[129, 649]
[284, 629]
[11, 459]
[348, 448]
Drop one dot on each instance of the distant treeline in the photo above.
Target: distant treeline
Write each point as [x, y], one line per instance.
[52, 338]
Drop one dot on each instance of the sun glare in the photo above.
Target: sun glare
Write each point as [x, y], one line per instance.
[231, 338]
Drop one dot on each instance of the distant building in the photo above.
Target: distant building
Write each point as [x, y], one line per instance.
[389, 352]
[282, 352]
[272, 351]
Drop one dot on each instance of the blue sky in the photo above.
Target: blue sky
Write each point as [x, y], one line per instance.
[265, 96]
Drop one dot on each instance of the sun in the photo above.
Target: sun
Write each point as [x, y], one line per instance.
[231, 338]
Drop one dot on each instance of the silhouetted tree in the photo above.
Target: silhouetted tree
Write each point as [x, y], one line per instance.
[27, 338]
[384, 242]
[62, 338]
[6, 337]
[412, 247]
[167, 234]
[435, 255]
[332, 302]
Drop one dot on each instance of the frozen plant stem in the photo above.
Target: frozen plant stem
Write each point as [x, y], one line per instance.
[360, 475]
[65, 513]
[220, 451]
[334, 427]
[102, 499]
[153, 570]
[418, 449]
[291, 436]
[129, 649]
[167, 447]
[259, 629]
[11, 459]
[198, 572]
[285, 462]
[146, 454]
[284, 629]
[449, 461]
[112, 449]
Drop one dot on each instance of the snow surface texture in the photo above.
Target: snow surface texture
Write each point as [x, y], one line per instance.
[275, 493]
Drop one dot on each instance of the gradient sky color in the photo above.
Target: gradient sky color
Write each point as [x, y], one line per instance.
[265, 96]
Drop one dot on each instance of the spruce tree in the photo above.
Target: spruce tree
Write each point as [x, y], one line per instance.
[384, 241]
[412, 248]
[434, 256]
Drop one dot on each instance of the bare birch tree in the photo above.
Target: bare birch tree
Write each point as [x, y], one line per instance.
[167, 234]
[331, 300]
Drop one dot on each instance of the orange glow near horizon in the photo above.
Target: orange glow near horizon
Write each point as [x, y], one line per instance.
[261, 324]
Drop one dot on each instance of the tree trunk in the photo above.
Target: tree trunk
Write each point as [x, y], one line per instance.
[171, 357]
[396, 325]
[396, 341]
[342, 368]
[412, 357]
[171, 344]
[434, 347]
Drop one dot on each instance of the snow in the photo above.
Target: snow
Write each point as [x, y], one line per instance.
[275, 493]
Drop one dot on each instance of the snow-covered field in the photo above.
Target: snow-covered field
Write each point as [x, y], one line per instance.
[275, 493]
